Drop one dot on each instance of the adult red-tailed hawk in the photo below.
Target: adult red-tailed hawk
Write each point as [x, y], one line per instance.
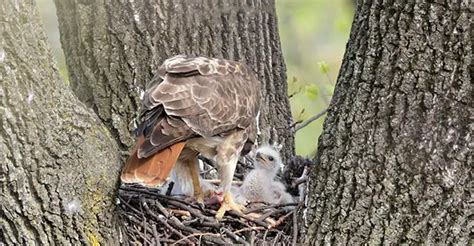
[195, 105]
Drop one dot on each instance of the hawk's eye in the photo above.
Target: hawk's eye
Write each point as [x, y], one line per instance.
[270, 158]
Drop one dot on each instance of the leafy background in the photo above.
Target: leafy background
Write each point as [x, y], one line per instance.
[313, 35]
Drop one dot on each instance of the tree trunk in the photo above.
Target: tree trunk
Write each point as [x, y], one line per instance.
[394, 162]
[58, 164]
[113, 48]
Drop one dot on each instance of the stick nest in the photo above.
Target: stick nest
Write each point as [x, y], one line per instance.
[150, 218]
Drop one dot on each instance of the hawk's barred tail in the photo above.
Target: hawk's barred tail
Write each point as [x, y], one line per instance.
[154, 170]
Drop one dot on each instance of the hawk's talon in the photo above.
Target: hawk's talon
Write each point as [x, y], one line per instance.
[200, 201]
[227, 205]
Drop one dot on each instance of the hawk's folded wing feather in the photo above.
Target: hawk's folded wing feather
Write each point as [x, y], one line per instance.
[197, 96]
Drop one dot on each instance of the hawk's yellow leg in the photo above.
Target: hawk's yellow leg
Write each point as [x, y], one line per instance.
[198, 194]
[227, 205]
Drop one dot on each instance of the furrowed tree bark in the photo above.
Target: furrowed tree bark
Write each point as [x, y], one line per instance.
[58, 164]
[113, 48]
[395, 160]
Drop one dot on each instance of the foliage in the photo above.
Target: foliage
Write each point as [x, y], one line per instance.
[313, 35]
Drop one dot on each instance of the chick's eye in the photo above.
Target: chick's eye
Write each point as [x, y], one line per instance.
[270, 158]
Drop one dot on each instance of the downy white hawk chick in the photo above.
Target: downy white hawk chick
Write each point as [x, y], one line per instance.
[259, 185]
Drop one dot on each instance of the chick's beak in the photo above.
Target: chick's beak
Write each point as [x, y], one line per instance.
[260, 158]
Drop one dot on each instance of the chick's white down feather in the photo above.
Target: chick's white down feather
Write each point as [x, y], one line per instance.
[182, 184]
[259, 184]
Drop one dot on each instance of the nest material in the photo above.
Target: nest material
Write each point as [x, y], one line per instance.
[150, 218]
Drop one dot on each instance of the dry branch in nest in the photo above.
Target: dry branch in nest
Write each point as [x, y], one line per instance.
[150, 218]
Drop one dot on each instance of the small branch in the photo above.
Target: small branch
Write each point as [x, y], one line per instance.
[164, 222]
[196, 235]
[275, 242]
[252, 238]
[181, 226]
[260, 223]
[156, 194]
[299, 181]
[307, 122]
[155, 235]
[181, 212]
[295, 227]
[295, 123]
[266, 215]
[253, 228]
[272, 213]
[195, 212]
[258, 209]
[162, 209]
[234, 236]
[283, 218]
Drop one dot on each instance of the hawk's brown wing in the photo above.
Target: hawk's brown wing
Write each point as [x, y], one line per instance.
[197, 96]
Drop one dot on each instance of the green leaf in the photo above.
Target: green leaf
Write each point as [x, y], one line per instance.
[311, 91]
[323, 67]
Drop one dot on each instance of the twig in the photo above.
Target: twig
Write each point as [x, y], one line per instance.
[145, 240]
[299, 181]
[261, 223]
[265, 235]
[295, 227]
[266, 215]
[276, 239]
[164, 222]
[256, 216]
[295, 123]
[282, 218]
[189, 222]
[234, 236]
[194, 212]
[144, 191]
[253, 228]
[307, 122]
[137, 222]
[257, 209]
[195, 235]
[181, 212]
[144, 224]
[180, 225]
[155, 235]
[162, 209]
[252, 238]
